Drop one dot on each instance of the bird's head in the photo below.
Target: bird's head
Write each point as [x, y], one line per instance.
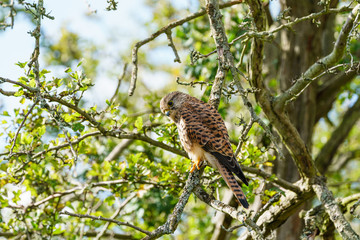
[170, 104]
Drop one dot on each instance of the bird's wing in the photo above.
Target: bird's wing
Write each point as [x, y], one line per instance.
[205, 126]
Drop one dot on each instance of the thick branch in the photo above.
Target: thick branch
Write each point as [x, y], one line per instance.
[277, 214]
[316, 219]
[324, 63]
[327, 199]
[226, 62]
[173, 220]
[325, 157]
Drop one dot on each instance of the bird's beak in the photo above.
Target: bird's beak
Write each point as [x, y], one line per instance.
[167, 113]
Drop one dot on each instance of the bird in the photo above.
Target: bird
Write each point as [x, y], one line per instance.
[204, 137]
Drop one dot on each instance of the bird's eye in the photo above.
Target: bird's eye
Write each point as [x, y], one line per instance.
[171, 103]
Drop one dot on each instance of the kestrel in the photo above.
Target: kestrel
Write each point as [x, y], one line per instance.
[204, 136]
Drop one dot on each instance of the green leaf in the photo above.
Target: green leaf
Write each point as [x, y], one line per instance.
[257, 109]
[6, 113]
[68, 118]
[106, 166]
[19, 93]
[80, 63]
[58, 82]
[43, 72]
[78, 127]
[26, 138]
[110, 200]
[68, 70]
[20, 64]
[32, 83]
[139, 123]
[41, 130]
[58, 231]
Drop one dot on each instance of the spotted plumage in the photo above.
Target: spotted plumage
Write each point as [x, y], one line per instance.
[204, 136]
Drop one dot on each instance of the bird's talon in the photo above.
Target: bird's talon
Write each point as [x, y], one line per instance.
[196, 164]
[193, 167]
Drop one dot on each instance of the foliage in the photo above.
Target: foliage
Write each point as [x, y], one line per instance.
[65, 155]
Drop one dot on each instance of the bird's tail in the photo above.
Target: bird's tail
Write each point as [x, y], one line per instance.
[233, 185]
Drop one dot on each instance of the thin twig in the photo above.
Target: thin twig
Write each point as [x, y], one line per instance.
[116, 213]
[275, 180]
[120, 79]
[171, 44]
[106, 219]
[243, 137]
[353, 208]
[21, 125]
[81, 189]
[11, 15]
[272, 200]
[231, 229]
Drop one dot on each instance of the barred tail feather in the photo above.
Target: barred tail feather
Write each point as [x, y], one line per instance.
[233, 185]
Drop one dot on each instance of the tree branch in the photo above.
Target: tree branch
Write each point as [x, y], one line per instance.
[255, 231]
[223, 50]
[116, 134]
[265, 35]
[161, 31]
[277, 214]
[80, 189]
[343, 158]
[107, 220]
[332, 209]
[328, 91]
[338, 51]
[116, 152]
[56, 99]
[226, 62]
[21, 125]
[173, 220]
[109, 235]
[116, 213]
[275, 180]
[325, 158]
